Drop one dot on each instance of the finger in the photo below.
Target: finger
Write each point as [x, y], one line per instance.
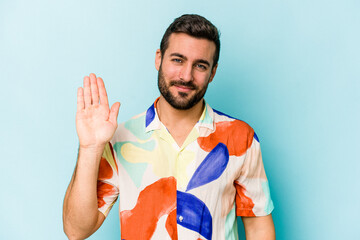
[94, 89]
[87, 94]
[102, 92]
[80, 99]
[114, 111]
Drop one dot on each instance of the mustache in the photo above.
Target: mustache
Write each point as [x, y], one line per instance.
[183, 84]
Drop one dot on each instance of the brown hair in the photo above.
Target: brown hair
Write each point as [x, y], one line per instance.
[195, 26]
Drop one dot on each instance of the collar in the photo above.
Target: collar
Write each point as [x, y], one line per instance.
[152, 121]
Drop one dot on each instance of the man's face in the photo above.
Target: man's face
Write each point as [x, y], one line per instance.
[185, 70]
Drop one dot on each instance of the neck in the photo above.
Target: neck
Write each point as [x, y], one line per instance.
[172, 117]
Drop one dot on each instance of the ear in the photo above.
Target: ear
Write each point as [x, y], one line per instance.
[213, 71]
[157, 59]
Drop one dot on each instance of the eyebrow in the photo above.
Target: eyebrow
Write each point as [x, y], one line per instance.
[183, 57]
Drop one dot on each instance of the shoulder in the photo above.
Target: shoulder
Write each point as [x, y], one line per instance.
[237, 134]
[232, 126]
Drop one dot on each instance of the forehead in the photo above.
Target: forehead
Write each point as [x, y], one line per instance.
[191, 47]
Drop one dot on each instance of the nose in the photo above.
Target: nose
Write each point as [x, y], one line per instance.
[186, 73]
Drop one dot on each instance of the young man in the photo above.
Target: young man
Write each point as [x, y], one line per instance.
[182, 170]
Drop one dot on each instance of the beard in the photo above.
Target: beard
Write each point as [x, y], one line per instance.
[182, 101]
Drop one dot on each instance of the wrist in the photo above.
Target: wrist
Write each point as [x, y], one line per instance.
[92, 149]
[90, 156]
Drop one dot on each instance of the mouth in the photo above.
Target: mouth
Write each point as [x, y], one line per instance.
[183, 87]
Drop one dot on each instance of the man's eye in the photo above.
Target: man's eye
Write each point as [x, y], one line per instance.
[177, 60]
[201, 66]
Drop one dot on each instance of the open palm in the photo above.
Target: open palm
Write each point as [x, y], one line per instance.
[96, 123]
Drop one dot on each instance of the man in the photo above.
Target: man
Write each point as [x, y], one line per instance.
[182, 170]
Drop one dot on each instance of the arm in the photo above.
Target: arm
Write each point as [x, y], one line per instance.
[95, 125]
[259, 228]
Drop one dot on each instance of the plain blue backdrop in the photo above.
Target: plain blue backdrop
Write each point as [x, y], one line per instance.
[291, 69]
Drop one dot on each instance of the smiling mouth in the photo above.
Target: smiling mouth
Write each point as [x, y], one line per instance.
[181, 86]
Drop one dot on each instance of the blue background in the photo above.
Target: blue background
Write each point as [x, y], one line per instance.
[291, 69]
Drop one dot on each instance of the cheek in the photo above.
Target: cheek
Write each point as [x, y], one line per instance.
[202, 78]
[171, 72]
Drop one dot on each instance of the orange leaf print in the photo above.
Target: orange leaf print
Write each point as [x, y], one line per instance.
[244, 204]
[105, 170]
[104, 190]
[153, 202]
[236, 135]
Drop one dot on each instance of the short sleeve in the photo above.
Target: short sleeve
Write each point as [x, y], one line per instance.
[252, 187]
[107, 183]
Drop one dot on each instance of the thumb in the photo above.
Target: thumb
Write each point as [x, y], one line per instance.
[114, 112]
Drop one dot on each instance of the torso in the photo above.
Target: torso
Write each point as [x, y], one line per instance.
[181, 188]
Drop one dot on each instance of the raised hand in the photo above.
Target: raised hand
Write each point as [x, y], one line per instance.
[95, 122]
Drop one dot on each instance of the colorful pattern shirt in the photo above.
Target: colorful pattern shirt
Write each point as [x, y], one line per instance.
[190, 192]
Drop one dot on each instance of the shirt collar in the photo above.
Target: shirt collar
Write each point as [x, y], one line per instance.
[207, 118]
[152, 121]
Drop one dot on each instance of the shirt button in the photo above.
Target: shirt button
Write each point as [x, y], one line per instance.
[181, 218]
